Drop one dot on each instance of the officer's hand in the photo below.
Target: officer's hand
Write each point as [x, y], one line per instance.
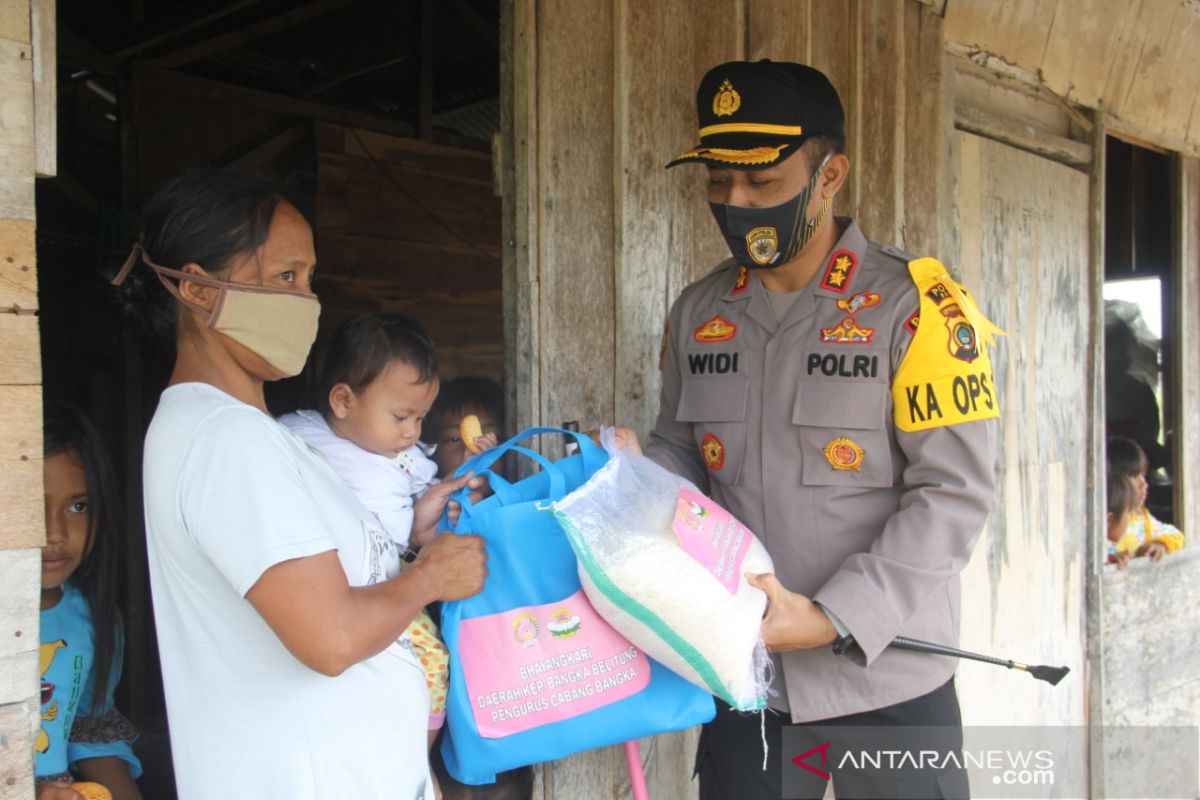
[793, 622]
[627, 439]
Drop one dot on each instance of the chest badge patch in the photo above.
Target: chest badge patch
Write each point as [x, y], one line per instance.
[713, 451]
[762, 244]
[742, 283]
[848, 331]
[839, 271]
[717, 329]
[844, 454]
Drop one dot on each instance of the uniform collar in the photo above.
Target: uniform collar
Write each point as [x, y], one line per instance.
[843, 264]
[747, 289]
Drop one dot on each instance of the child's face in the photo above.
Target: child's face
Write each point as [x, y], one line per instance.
[385, 417]
[1140, 488]
[451, 452]
[68, 517]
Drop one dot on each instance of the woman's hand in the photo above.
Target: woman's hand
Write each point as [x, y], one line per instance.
[453, 565]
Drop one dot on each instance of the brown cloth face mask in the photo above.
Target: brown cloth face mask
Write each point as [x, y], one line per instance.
[279, 325]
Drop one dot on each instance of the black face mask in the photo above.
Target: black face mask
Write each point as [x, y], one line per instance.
[764, 238]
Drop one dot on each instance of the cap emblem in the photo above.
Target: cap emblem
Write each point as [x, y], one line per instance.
[762, 244]
[727, 100]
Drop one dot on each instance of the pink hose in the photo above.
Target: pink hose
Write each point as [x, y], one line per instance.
[637, 776]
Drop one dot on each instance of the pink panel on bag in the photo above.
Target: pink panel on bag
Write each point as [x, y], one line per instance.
[712, 536]
[540, 664]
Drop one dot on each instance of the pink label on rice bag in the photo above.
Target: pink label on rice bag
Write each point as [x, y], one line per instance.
[712, 536]
[540, 664]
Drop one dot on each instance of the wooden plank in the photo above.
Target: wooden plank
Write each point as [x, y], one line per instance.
[924, 203]
[1017, 30]
[835, 50]
[425, 62]
[1025, 228]
[451, 163]
[1066, 151]
[22, 515]
[15, 20]
[20, 602]
[1186, 305]
[17, 165]
[1007, 98]
[781, 31]
[575, 198]
[17, 722]
[20, 356]
[406, 265]
[881, 131]
[143, 40]
[249, 33]
[18, 258]
[1078, 47]
[271, 147]
[1143, 100]
[519, 140]
[45, 88]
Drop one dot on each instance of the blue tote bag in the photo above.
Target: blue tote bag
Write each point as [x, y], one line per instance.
[535, 673]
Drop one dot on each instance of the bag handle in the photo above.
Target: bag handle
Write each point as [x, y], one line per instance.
[594, 456]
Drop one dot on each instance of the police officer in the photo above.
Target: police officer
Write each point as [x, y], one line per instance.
[837, 397]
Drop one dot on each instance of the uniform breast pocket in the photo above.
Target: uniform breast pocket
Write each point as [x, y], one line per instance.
[844, 433]
[716, 409]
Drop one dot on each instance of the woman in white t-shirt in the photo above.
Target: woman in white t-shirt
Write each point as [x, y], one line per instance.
[279, 601]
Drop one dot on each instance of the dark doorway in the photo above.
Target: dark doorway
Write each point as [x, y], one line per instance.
[382, 111]
[1140, 329]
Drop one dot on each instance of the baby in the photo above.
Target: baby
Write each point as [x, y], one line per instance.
[377, 384]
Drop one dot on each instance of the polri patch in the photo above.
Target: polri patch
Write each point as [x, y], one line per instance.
[713, 450]
[839, 271]
[717, 329]
[913, 322]
[844, 454]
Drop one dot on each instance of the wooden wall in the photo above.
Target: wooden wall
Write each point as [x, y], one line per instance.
[1133, 59]
[27, 125]
[599, 239]
[412, 227]
[1023, 225]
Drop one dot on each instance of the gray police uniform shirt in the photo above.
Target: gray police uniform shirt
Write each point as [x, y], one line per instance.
[789, 425]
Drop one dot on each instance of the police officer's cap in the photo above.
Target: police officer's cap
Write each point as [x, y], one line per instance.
[755, 114]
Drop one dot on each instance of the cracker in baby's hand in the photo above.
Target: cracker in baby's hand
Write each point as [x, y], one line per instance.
[91, 791]
[469, 430]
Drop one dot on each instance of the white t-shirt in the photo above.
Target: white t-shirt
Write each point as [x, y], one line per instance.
[229, 492]
[384, 485]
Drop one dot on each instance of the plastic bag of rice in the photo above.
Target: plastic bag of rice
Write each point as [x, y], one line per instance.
[666, 566]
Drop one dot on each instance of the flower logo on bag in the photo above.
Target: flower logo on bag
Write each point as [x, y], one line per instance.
[563, 623]
[525, 630]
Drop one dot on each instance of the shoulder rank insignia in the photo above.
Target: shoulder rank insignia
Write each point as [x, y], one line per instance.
[844, 455]
[717, 329]
[945, 377]
[713, 451]
[726, 100]
[839, 271]
[742, 283]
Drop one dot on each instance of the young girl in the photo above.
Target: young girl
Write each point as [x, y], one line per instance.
[1154, 537]
[1121, 500]
[81, 732]
[377, 384]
